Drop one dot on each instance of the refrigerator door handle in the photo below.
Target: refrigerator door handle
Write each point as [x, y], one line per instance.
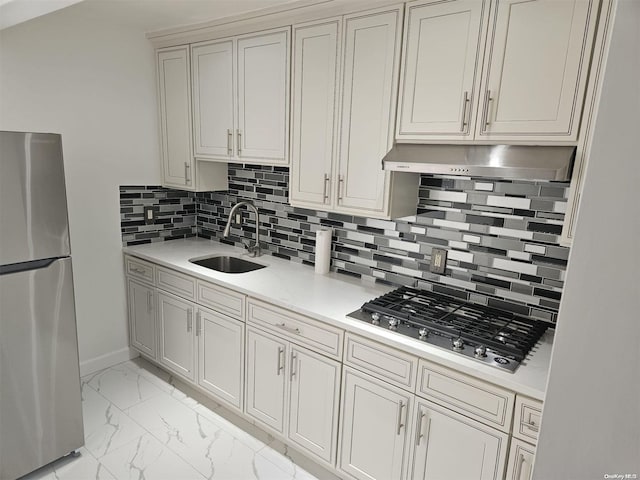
[25, 266]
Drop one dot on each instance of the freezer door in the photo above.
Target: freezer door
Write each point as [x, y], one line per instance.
[33, 202]
[40, 400]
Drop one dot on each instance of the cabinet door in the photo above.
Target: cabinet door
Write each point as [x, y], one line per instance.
[174, 99]
[373, 428]
[521, 456]
[441, 67]
[177, 339]
[266, 386]
[221, 356]
[213, 96]
[142, 317]
[315, 68]
[443, 438]
[263, 97]
[313, 414]
[536, 68]
[371, 62]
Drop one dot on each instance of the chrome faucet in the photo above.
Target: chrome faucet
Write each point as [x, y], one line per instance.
[254, 250]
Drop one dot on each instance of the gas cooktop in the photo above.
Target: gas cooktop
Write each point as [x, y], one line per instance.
[494, 337]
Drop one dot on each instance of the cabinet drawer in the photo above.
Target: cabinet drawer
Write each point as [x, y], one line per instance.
[301, 330]
[528, 413]
[177, 283]
[474, 398]
[221, 300]
[381, 361]
[140, 269]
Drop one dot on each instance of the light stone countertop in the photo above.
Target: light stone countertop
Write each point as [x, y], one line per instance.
[329, 298]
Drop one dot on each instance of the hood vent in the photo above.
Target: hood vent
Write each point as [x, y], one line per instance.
[494, 161]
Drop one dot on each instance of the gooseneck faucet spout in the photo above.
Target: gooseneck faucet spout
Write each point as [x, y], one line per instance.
[254, 250]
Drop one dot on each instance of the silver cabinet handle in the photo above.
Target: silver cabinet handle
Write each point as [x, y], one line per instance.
[419, 425]
[294, 358]
[139, 271]
[187, 169]
[487, 100]
[340, 186]
[521, 461]
[239, 134]
[531, 425]
[198, 324]
[325, 189]
[400, 424]
[229, 141]
[465, 101]
[189, 320]
[285, 327]
[149, 296]
[280, 363]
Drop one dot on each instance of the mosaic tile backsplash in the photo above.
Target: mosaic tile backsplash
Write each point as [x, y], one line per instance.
[501, 236]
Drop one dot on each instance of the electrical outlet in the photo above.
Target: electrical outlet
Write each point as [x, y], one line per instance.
[150, 214]
[438, 260]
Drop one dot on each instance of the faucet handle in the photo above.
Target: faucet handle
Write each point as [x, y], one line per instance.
[253, 250]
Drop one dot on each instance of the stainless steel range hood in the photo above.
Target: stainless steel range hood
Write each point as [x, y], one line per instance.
[496, 161]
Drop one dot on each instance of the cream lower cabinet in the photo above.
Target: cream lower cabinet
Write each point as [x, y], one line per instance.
[266, 382]
[142, 317]
[521, 457]
[449, 445]
[293, 391]
[374, 435]
[221, 356]
[177, 335]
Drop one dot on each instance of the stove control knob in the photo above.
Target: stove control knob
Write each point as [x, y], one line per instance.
[458, 344]
[481, 351]
[375, 318]
[393, 322]
[423, 332]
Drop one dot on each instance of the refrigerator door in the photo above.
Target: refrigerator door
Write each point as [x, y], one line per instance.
[40, 400]
[33, 203]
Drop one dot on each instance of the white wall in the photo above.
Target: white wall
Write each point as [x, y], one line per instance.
[591, 418]
[95, 84]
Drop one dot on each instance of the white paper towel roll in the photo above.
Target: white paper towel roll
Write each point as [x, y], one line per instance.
[323, 250]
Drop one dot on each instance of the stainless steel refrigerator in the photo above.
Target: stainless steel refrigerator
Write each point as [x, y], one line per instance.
[40, 400]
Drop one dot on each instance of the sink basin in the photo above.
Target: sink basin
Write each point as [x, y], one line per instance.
[228, 264]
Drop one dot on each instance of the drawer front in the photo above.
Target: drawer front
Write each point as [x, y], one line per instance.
[467, 395]
[301, 330]
[528, 413]
[140, 269]
[383, 362]
[221, 300]
[176, 283]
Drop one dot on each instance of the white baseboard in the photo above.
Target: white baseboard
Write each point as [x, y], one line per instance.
[105, 361]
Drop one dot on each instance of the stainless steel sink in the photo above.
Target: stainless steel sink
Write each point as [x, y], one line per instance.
[227, 264]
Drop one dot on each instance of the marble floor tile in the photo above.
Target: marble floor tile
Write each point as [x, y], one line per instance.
[106, 427]
[146, 458]
[122, 386]
[138, 425]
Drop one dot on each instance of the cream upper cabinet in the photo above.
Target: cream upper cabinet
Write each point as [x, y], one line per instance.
[315, 102]
[241, 98]
[263, 97]
[371, 56]
[536, 66]
[344, 101]
[213, 94]
[501, 71]
[440, 76]
[175, 117]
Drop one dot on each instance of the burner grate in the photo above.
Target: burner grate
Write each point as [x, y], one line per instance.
[505, 333]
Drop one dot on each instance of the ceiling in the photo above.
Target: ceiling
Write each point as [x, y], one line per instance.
[147, 15]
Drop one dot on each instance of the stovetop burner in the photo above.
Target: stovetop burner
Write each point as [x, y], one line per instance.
[498, 338]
